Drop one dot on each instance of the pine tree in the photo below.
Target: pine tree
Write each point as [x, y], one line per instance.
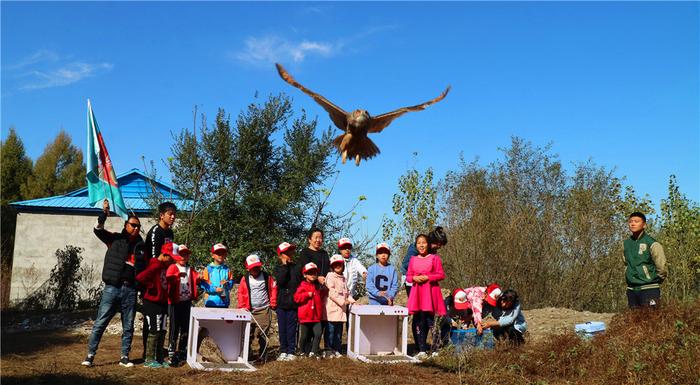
[58, 170]
[16, 168]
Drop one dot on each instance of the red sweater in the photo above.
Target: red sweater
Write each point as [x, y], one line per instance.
[153, 279]
[173, 277]
[310, 308]
[244, 292]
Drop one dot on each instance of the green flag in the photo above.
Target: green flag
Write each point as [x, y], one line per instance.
[101, 179]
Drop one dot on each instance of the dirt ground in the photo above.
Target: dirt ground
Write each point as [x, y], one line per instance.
[48, 349]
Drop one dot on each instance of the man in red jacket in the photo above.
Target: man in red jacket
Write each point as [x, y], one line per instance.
[155, 303]
[258, 293]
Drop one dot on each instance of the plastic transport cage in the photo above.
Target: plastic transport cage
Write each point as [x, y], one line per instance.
[230, 329]
[378, 334]
[465, 339]
[589, 329]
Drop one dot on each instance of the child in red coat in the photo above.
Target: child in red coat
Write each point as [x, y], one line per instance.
[309, 298]
[182, 290]
[155, 303]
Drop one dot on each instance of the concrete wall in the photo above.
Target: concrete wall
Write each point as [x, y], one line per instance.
[39, 235]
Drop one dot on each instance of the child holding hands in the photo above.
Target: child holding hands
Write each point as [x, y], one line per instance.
[309, 298]
[336, 304]
[425, 300]
[382, 278]
[217, 278]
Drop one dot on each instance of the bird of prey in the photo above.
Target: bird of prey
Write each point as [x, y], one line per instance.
[354, 143]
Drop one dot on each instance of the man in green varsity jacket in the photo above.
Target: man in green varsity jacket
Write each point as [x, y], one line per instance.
[645, 262]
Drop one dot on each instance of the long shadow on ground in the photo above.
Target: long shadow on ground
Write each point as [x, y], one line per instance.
[33, 342]
[59, 379]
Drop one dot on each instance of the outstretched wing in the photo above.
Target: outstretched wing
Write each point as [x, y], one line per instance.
[338, 116]
[380, 122]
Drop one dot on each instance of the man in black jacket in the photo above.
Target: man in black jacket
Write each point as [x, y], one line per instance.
[119, 294]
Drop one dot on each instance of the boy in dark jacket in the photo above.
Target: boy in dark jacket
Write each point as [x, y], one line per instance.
[155, 303]
[119, 293]
[258, 294]
[287, 275]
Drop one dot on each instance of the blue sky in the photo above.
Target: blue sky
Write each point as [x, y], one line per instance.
[614, 82]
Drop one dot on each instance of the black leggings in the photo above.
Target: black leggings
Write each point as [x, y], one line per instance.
[310, 337]
[179, 315]
[422, 322]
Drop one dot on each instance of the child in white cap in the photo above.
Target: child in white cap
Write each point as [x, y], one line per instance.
[309, 298]
[217, 278]
[287, 276]
[354, 270]
[336, 305]
[382, 279]
[257, 292]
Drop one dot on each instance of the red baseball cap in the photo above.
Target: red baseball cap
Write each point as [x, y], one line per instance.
[284, 247]
[337, 258]
[383, 246]
[251, 261]
[493, 292]
[170, 249]
[461, 302]
[308, 267]
[218, 246]
[344, 242]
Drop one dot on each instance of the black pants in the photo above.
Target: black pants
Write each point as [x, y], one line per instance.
[287, 327]
[179, 315]
[508, 333]
[157, 314]
[310, 337]
[421, 325]
[643, 298]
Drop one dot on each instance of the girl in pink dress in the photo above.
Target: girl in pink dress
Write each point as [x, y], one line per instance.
[425, 272]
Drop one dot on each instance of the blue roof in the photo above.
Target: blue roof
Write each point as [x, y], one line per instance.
[134, 185]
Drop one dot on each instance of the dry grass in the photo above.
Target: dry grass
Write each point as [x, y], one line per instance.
[661, 347]
[642, 347]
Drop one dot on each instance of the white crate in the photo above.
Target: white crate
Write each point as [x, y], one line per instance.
[378, 334]
[590, 329]
[230, 329]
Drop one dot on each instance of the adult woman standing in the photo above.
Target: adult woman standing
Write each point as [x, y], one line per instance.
[315, 253]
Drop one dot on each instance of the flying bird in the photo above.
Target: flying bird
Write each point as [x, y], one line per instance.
[354, 143]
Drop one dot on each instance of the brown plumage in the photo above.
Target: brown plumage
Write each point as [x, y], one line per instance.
[357, 124]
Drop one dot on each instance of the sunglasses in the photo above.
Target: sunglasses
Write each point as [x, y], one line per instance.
[134, 225]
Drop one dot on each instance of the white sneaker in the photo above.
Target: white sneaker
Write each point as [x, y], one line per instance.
[337, 355]
[421, 356]
[88, 361]
[282, 357]
[313, 355]
[124, 361]
[291, 357]
[434, 354]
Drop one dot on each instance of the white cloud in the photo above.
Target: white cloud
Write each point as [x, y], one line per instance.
[40, 56]
[271, 49]
[264, 50]
[65, 75]
[46, 69]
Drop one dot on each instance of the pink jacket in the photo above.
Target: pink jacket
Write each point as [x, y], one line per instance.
[337, 299]
[475, 295]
